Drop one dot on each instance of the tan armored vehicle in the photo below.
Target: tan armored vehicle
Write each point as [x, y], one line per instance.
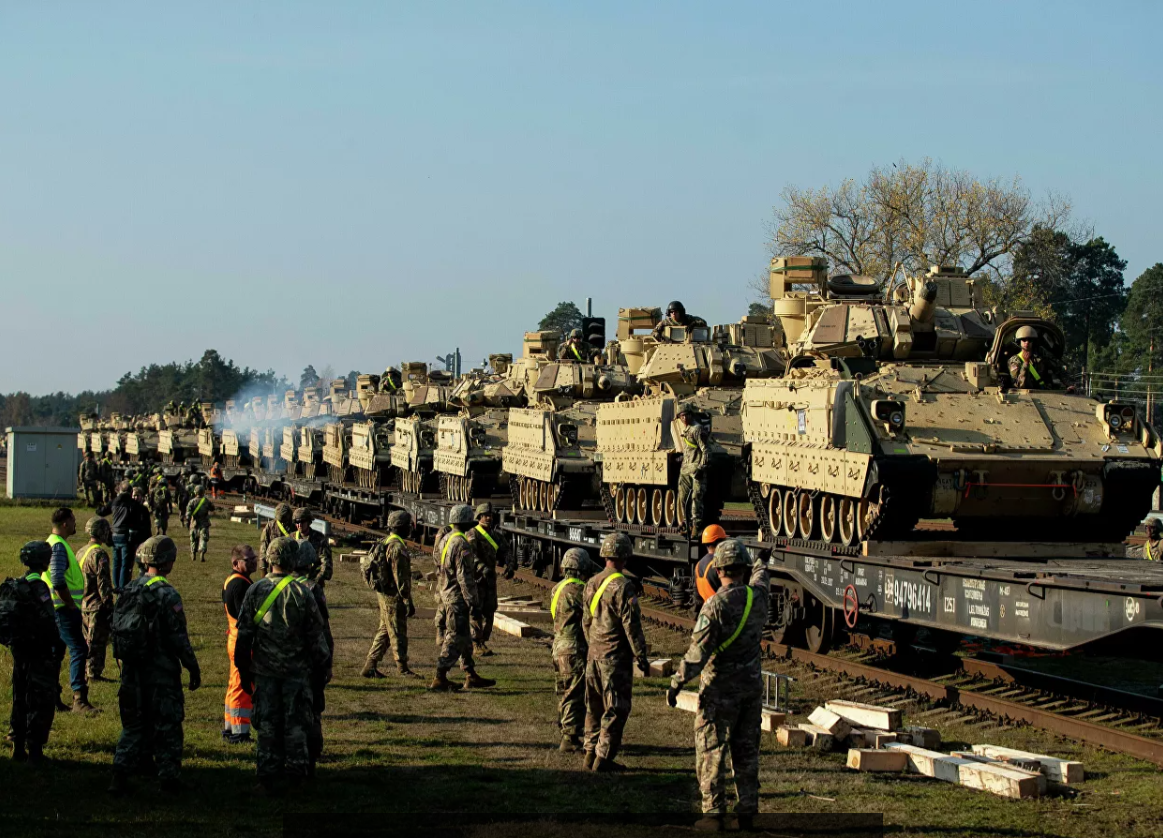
[411, 452]
[310, 403]
[413, 440]
[335, 445]
[310, 453]
[637, 438]
[899, 407]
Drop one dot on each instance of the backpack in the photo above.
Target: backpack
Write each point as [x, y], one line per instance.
[134, 624]
[20, 611]
[373, 566]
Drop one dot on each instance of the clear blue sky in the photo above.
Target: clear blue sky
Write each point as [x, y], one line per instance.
[357, 184]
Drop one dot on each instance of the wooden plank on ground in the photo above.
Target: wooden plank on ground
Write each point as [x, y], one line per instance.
[1059, 770]
[866, 715]
[858, 738]
[923, 737]
[659, 668]
[882, 738]
[688, 700]
[1002, 780]
[824, 718]
[791, 737]
[930, 763]
[514, 627]
[866, 759]
[818, 738]
[771, 720]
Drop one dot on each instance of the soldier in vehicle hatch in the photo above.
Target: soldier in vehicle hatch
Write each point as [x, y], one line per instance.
[576, 349]
[676, 316]
[1029, 371]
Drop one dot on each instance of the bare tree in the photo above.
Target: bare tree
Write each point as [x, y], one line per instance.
[913, 216]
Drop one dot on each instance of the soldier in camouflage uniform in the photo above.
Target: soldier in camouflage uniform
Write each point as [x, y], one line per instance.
[97, 601]
[319, 674]
[107, 478]
[280, 527]
[281, 641]
[676, 316]
[150, 698]
[34, 661]
[457, 599]
[198, 515]
[1028, 370]
[1152, 549]
[489, 549]
[725, 651]
[613, 627]
[569, 645]
[388, 572]
[692, 476]
[161, 506]
[320, 572]
[89, 476]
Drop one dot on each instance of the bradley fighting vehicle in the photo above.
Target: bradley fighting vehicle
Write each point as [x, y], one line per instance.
[177, 437]
[638, 438]
[141, 440]
[413, 439]
[382, 400]
[898, 405]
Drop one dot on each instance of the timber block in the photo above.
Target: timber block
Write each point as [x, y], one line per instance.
[865, 759]
[659, 668]
[997, 778]
[1057, 769]
[931, 763]
[866, 715]
[352, 557]
[824, 718]
[880, 739]
[923, 737]
[771, 720]
[858, 738]
[791, 737]
[818, 737]
[514, 627]
[688, 700]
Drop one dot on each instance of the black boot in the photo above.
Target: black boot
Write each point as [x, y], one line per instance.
[118, 784]
[18, 752]
[607, 766]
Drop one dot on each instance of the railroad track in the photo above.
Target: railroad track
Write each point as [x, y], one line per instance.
[1119, 721]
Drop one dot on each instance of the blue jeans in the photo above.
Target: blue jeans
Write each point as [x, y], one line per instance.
[122, 562]
[73, 635]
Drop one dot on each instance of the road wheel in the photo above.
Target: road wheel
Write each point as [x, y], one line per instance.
[829, 517]
[790, 513]
[670, 505]
[775, 511]
[620, 504]
[849, 529]
[642, 507]
[657, 513]
[806, 516]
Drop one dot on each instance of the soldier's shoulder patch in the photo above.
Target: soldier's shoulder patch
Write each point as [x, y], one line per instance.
[702, 622]
[178, 608]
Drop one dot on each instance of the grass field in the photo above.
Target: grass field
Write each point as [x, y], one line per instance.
[393, 747]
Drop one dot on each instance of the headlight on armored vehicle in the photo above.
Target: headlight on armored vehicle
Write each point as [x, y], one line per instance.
[891, 413]
[1118, 418]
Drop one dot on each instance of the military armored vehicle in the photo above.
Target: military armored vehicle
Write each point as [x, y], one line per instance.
[426, 395]
[141, 440]
[637, 438]
[897, 405]
[336, 441]
[209, 446]
[310, 452]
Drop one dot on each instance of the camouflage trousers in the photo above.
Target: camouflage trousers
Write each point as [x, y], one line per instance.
[608, 693]
[283, 717]
[96, 627]
[727, 741]
[161, 523]
[393, 630]
[453, 637]
[34, 695]
[92, 492]
[152, 712]
[482, 627]
[571, 686]
[691, 491]
[199, 541]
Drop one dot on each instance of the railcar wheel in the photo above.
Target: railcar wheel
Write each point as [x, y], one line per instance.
[657, 513]
[849, 531]
[775, 511]
[670, 507]
[788, 629]
[828, 518]
[642, 507]
[805, 515]
[820, 628]
[790, 513]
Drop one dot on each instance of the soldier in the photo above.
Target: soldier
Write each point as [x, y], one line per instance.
[89, 476]
[139, 523]
[706, 577]
[613, 626]
[307, 559]
[150, 640]
[161, 505]
[1152, 549]
[676, 316]
[198, 514]
[725, 649]
[569, 645]
[692, 476]
[97, 600]
[35, 656]
[575, 349]
[238, 707]
[280, 639]
[107, 477]
[320, 571]
[1028, 370]
[458, 599]
[389, 573]
[489, 549]
[280, 527]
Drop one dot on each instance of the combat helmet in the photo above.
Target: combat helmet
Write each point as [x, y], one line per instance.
[303, 514]
[485, 508]
[306, 557]
[575, 334]
[36, 553]
[283, 553]
[576, 560]
[731, 553]
[283, 512]
[1026, 332]
[399, 519]
[100, 530]
[617, 545]
[156, 551]
[461, 514]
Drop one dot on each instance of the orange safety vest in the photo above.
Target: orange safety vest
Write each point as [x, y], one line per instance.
[216, 471]
[239, 706]
[702, 584]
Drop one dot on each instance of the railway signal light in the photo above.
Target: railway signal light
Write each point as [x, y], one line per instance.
[594, 332]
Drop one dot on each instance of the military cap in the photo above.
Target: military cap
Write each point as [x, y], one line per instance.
[617, 545]
[576, 559]
[485, 508]
[303, 514]
[1026, 332]
[157, 551]
[731, 553]
[36, 553]
[461, 514]
[283, 512]
[99, 529]
[306, 555]
[399, 519]
[283, 552]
